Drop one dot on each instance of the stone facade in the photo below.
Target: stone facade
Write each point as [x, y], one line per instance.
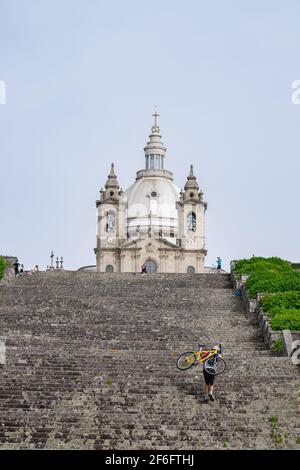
[153, 223]
[134, 254]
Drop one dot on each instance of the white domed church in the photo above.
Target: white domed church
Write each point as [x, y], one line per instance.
[153, 223]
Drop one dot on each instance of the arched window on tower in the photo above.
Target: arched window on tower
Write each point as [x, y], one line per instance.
[191, 222]
[111, 221]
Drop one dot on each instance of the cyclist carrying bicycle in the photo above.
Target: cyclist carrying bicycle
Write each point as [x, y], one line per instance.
[212, 361]
[209, 382]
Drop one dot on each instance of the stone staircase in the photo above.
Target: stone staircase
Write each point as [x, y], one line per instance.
[91, 364]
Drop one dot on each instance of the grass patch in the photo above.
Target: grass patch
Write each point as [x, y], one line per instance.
[3, 266]
[278, 345]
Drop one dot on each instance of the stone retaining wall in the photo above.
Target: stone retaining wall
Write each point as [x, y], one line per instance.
[270, 336]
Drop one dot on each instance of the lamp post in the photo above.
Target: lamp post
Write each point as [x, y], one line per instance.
[52, 256]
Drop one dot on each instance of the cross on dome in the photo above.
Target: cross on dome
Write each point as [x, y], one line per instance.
[155, 127]
[155, 149]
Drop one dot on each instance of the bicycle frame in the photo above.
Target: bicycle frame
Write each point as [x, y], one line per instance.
[198, 354]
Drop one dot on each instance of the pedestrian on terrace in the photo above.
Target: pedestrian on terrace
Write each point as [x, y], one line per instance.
[16, 266]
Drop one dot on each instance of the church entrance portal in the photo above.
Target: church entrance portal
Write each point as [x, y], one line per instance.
[151, 266]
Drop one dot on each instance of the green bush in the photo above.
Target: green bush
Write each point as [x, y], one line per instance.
[278, 345]
[258, 264]
[273, 282]
[279, 303]
[268, 275]
[289, 320]
[3, 265]
[278, 277]
[283, 310]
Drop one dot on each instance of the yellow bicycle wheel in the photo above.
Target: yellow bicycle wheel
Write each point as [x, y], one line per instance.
[186, 360]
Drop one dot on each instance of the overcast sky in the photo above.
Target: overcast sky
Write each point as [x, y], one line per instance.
[82, 78]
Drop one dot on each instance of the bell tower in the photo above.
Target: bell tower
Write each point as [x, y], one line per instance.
[110, 225]
[191, 220]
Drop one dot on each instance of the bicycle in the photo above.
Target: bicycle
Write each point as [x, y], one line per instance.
[214, 270]
[211, 360]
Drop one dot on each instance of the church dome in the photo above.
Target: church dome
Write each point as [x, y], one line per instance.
[151, 200]
[151, 206]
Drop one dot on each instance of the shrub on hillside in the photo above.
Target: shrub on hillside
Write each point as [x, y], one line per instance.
[258, 264]
[268, 275]
[283, 309]
[273, 282]
[290, 320]
[279, 277]
[278, 303]
[3, 265]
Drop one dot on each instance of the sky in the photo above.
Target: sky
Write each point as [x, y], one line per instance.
[82, 79]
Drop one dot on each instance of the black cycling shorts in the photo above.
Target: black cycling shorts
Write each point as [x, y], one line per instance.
[209, 379]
